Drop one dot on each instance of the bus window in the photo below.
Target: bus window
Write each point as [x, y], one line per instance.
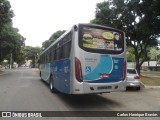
[66, 49]
[101, 40]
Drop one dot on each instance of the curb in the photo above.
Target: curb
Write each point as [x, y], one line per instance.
[152, 87]
[150, 76]
[142, 84]
[149, 87]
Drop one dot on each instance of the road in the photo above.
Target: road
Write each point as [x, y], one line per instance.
[22, 90]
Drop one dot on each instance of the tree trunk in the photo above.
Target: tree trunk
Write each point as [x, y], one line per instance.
[138, 68]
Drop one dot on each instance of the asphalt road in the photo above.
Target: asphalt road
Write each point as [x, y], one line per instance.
[22, 90]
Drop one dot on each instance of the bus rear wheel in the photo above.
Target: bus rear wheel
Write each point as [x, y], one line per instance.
[51, 84]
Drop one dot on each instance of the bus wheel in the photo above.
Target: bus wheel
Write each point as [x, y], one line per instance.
[40, 76]
[51, 84]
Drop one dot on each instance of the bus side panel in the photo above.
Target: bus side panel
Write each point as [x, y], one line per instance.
[45, 71]
[102, 69]
[61, 75]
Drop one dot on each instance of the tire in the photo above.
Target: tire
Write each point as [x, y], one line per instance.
[51, 85]
[40, 76]
[126, 88]
[138, 88]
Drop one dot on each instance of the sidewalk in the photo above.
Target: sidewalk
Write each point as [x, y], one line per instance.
[2, 71]
[151, 75]
[149, 87]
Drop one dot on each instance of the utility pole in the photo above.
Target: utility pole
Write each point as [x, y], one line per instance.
[11, 61]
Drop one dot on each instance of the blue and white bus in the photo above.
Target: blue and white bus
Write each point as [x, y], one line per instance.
[86, 59]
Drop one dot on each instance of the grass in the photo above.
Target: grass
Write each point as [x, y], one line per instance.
[150, 81]
[157, 73]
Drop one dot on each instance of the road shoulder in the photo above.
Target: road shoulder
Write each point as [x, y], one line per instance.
[2, 72]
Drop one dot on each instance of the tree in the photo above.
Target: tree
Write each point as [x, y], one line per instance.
[46, 44]
[11, 42]
[154, 54]
[130, 54]
[6, 13]
[54, 37]
[139, 20]
[32, 53]
[159, 42]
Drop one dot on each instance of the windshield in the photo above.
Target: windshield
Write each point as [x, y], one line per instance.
[101, 39]
[131, 71]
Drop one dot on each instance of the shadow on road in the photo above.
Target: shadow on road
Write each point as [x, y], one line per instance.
[90, 101]
[87, 102]
[132, 89]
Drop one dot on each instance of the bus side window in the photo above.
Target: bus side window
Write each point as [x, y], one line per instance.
[46, 58]
[43, 59]
[53, 52]
[50, 56]
[58, 53]
[55, 58]
[66, 49]
[66, 46]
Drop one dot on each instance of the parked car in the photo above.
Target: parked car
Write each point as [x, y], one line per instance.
[133, 79]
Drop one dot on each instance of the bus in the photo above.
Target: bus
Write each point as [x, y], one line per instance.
[87, 59]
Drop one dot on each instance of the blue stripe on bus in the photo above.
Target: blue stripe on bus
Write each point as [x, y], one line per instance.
[61, 75]
[104, 60]
[114, 76]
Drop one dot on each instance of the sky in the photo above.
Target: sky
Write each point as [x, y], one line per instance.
[37, 20]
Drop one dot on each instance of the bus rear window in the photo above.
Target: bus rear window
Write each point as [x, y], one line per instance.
[101, 40]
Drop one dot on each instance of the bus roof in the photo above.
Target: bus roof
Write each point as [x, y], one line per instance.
[56, 41]
[86, 24]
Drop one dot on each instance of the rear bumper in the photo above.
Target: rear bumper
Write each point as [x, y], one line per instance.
[133, 84]
[104, 87]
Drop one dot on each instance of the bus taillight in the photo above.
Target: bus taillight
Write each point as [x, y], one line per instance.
[124, 71]
[136, 77]
[78, 70]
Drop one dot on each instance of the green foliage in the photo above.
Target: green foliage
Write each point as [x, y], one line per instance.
[54, 37]
[5, 13]
[130, 54]
[32, 53]
[10, 40]
[46, 44]
[159, 42]
[154, 54]
[4, 63]
[139, 20]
